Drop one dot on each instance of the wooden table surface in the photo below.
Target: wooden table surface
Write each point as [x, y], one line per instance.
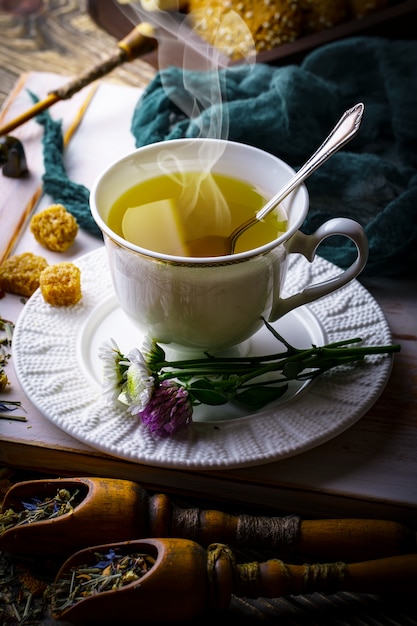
[368, 471]
[51, 36]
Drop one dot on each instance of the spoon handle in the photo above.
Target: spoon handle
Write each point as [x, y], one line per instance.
[344, 131]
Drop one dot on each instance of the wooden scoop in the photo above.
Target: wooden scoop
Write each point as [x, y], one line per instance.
[107, 509]
[185, 580]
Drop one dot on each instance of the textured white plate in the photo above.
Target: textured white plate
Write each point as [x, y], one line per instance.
[56, 361]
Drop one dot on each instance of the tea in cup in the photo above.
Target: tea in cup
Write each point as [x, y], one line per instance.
[160, 207]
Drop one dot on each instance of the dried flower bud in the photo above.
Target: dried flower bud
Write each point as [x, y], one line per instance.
[168, 410]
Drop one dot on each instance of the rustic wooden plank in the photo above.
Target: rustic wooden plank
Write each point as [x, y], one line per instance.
[369, 470]
[58, 37]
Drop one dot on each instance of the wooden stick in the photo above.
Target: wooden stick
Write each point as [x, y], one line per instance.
[31, 205]
[138, 42]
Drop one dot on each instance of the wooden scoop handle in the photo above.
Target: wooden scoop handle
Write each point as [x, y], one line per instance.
[119, 510]
[393, 575]
[287, 536]
[186, 579]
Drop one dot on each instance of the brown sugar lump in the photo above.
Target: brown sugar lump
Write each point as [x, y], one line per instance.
[54, 228]
[60, 284]
[321, 14]
[20, 273]
[264, 24]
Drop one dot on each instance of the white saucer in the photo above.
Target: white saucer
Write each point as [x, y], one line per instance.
[55, 353]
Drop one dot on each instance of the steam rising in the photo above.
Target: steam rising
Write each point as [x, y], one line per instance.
[176, 40]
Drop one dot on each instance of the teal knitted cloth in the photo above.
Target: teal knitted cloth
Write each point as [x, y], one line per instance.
[288, 111]
[73, 196]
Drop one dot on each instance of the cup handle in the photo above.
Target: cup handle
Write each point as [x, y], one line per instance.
[307, 246]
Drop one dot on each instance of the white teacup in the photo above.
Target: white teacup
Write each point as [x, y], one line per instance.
[216, 302]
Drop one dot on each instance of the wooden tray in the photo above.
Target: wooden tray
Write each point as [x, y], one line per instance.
[397, 21]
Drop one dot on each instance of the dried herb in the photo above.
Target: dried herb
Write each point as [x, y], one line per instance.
[37, 510]
[22, 600]
[108, 572]
[8, 406]
[14, 418]
[6, 334]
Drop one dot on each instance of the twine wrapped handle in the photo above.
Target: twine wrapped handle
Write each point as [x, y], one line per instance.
[275, 578]
[97, 519]
[186, 580]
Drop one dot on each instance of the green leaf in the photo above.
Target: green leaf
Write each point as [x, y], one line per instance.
[256, 397]
[204, 391]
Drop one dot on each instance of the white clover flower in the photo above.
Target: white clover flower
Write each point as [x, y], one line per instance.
[113, 370]
[169, 409]
[139, 385]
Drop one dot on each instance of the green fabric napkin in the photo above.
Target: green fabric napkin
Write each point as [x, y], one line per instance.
[288, 111]
[55, 181]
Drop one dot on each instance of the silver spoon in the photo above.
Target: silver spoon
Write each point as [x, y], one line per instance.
[344, 131]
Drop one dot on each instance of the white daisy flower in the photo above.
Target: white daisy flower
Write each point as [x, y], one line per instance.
[113, 370]
[153, 354]
[139, 384]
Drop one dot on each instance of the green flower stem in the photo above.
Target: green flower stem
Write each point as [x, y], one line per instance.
[292, 363]
[217, 380]
[210, 361]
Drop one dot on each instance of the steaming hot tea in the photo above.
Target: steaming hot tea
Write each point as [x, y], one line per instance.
[207, 305]
[179, 213]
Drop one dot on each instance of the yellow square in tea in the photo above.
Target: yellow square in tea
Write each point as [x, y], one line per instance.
[156, 225]
[180, 212]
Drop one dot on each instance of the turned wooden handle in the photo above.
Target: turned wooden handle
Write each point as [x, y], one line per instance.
[186, 579]
[118, 510]
[354, 539]
[393, 575]
[139, 41]
[288, 536]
